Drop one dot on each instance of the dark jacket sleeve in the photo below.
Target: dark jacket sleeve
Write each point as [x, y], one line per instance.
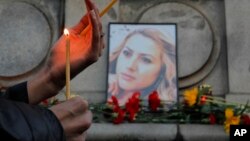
[20, 121]
[23, 122]
[17, 92]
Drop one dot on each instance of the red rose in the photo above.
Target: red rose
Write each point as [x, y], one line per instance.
[132, 116]
[212, 119]
[45, 102]
[154, 101]
[120, 116]
[113, 104]
[133, 106]
[245, 119]
[115, 101]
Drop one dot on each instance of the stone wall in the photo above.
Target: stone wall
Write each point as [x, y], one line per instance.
[238, 34]
[28, 30]
[202, 53]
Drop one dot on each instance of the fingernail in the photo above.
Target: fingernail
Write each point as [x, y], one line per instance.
[89, 4]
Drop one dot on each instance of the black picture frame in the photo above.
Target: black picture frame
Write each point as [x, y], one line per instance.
[162, 33]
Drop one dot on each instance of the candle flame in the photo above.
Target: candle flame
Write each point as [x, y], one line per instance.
[66, 32]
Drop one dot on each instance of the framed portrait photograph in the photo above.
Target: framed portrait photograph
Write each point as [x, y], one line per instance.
[142, 59]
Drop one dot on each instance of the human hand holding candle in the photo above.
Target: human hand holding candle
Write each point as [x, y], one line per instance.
[66, 33]
[84, 51]
[49, 81]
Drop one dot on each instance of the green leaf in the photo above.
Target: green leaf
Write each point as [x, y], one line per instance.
[244, 109]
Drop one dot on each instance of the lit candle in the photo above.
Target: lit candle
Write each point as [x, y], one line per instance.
[104, 11]
[66, 33]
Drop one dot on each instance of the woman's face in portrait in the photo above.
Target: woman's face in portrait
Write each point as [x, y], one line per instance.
[138, 64]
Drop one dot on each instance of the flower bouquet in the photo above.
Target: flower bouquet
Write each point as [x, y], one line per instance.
[198, 106]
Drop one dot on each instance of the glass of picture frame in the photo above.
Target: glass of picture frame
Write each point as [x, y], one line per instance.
[142, 58]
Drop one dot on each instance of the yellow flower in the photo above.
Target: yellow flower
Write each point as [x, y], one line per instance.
[235, 120]
[230, 119]
[190, 96]
[229, 113]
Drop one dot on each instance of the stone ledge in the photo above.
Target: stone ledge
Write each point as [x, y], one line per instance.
[199, 132]
[238, 98]
[132, 132]
[156, 132]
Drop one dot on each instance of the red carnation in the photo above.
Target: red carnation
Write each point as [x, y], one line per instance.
[154, 101]
[203, 100]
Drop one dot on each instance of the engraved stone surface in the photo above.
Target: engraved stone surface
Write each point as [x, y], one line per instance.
[201, 41]
[194, 34]
[24, 37]
[238, 98]
[238, 42]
